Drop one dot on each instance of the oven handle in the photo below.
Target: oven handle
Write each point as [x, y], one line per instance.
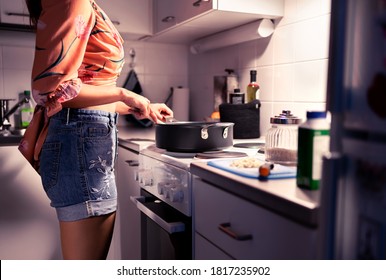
[169, 227]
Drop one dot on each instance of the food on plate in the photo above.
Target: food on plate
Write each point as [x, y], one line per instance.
[247, 162]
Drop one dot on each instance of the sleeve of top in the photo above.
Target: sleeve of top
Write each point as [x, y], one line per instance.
[61, 39]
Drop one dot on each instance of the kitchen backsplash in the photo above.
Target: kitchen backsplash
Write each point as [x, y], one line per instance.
[291, 65]
[158, 66]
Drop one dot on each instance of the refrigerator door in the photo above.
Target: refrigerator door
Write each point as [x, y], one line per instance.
[358, 64]
[361, 202]
[353, 186]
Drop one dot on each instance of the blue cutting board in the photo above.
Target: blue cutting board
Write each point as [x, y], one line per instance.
[278, 171]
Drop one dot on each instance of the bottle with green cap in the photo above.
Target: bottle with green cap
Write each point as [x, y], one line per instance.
[27, 110]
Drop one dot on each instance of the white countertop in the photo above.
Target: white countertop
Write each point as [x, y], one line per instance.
[281, 195]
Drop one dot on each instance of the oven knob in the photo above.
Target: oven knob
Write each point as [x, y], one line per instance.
[146, 181]
[176, 195]
[161, 188]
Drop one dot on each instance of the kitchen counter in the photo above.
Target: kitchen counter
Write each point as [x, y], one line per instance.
[11, 140]
[131, 136]
[281, 195]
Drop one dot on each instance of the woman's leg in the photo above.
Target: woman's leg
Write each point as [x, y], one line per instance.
[87, 239]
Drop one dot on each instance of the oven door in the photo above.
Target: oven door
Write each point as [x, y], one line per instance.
[166, 234]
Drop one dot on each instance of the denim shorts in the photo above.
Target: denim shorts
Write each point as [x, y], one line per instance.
[77, 163]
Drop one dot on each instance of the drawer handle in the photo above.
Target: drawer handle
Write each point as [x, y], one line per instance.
[226, 227]
[132, 162]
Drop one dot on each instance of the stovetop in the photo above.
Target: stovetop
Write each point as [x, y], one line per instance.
[184, 159]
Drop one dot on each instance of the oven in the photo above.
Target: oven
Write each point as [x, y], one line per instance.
[165, 206]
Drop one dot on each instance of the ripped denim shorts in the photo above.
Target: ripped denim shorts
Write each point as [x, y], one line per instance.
[77, 163]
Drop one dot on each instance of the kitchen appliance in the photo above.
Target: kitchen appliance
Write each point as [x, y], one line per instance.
[353, 184]
[166, 199]
[165, 205]
[193, 136]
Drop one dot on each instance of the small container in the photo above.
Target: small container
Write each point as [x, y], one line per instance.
[237, 97]
[282, 139]
[314, 141]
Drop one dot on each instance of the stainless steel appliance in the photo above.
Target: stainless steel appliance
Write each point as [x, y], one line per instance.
[165, 204]
[166, 201]
[354, 183]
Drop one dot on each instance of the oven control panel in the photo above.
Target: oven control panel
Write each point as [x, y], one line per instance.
[167, 182]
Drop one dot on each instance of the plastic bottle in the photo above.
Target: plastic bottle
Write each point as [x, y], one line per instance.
[313, 141]
[27, 110]
[253, 88]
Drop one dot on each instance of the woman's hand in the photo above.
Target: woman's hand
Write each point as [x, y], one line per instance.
[141, 107]
[161, 111]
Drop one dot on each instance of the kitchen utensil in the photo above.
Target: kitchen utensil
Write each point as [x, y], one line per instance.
[282, 139]
[194, 136]
[277, 172]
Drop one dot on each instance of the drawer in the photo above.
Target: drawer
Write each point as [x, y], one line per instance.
[248, 231]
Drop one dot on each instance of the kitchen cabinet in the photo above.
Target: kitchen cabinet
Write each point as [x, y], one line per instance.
[127, 236]
[132, 18]
[29, 228]
[240, 229]
[177, 21]
[14, 12]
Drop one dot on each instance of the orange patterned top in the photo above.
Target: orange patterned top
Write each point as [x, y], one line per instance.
[75, 43]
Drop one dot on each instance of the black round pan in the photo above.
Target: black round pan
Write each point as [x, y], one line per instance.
[194, 136]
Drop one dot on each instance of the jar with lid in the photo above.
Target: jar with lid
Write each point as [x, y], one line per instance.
[282, 139]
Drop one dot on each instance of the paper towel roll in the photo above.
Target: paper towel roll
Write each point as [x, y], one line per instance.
[180, 103]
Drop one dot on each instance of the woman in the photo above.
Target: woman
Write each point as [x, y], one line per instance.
[78, 57]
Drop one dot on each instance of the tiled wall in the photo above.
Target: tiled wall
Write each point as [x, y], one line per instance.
[291, 65]
[158, 66]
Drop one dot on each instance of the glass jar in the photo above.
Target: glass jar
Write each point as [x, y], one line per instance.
[282, 139]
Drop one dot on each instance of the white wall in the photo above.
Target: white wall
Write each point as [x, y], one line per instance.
[158, 66]
[291, 65]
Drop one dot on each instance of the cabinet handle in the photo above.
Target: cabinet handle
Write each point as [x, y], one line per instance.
[226, 227]
[116, 22]
[198, 2]
[168, 19]
[133, 162]
[17, 14]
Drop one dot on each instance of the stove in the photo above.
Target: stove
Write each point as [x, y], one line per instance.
[167, 176]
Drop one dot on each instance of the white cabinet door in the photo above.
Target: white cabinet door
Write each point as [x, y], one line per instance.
[247, 231]
[29, 227]
[14, 12]
[126, 244]
[132, 18]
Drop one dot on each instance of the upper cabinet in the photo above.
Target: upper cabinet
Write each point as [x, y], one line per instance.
[14, 12]
[132, 18]
[182, 21]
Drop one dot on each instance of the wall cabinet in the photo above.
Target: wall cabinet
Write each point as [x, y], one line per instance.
[132, 18]
[126, 243]
[177, 21]
[243, 230]
[14, 12]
